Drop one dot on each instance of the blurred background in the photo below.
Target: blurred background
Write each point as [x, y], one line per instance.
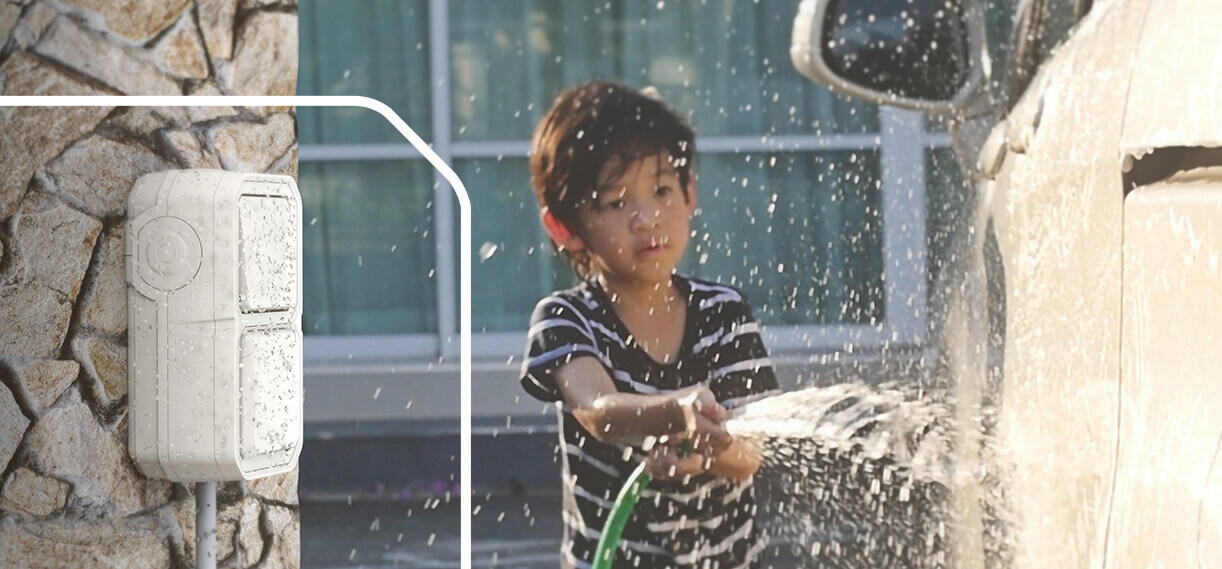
[833, 215]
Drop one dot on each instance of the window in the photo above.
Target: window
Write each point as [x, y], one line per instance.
[810, 202]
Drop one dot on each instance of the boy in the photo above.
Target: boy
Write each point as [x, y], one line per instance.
[640, 356]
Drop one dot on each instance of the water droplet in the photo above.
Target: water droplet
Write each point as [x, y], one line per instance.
[487, 250]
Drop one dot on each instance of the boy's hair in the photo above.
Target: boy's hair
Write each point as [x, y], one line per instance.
[590, 126]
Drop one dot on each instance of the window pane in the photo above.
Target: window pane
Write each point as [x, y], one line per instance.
[937, 123]
[800, 233]
[513, 264]
[376, 48]
[369, 252]
[725, 61]
[946, 205]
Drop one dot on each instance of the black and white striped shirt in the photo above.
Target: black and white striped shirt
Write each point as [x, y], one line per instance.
[706, 522]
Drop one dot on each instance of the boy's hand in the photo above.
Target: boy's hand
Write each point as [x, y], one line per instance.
[665, 462]
[706, 435]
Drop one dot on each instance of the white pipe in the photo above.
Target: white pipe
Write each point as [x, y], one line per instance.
[205, 525]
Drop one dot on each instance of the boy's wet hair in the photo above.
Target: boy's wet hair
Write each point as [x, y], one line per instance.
[595, 124]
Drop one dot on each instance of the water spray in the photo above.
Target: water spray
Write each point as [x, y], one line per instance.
[853, 431]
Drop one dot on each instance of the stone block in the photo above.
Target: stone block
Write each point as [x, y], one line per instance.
[105, 361]
[265, 62]
[8, 19]
[27, 491]
[280, 488]
[140, 122]
[89, 53]
[35, 22]
[253, 147]
[181, 52]
[30, 136]
[216, 23]
[250, 537]
[188, 148]
[53, 243]
[100, 172]
[105, 303]
[46, 380]
[51, 247]
[109, 544]
[36, 320]
[136, 20]
[68, 443]
[12, 426]
[284, 527]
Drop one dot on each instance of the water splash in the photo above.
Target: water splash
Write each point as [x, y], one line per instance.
[853, 475]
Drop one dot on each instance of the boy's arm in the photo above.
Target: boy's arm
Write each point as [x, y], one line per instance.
[629, 418]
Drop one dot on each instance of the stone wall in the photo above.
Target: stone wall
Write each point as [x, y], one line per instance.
[69, 493]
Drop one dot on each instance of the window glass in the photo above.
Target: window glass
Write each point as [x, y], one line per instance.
[369, 252]
[374, 48]
[514, 264]
[800, 233]
[723, 61]
[946, 213]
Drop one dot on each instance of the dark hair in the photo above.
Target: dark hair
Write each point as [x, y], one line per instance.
[594, 124]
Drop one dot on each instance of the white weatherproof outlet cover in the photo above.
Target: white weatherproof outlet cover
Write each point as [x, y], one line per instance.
[214, 325]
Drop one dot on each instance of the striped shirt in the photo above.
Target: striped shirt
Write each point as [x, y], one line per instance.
[705, 522]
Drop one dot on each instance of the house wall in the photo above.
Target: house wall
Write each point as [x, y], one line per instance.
[70, 495]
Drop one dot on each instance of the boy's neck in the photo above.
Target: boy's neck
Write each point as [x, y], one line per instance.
[654, 314]
[641, 296]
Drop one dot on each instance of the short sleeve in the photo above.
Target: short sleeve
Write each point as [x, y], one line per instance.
[739, 365]
[559, 332]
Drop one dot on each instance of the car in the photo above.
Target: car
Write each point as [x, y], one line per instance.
[1079, 320]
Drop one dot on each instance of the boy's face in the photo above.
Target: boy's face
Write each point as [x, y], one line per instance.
[636, 225]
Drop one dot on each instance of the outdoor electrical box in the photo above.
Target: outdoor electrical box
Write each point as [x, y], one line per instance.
[214, 325]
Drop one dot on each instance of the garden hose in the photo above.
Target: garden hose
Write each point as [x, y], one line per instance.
[624, 503]
[604, 554]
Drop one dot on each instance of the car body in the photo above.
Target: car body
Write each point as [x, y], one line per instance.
[1080, 322]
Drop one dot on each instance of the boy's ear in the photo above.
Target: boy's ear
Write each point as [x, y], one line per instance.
[691, 194]
[559, 233]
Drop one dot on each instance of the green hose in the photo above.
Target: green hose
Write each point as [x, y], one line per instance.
[624, 503]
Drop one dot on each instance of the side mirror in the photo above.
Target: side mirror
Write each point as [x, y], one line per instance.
[927, 55]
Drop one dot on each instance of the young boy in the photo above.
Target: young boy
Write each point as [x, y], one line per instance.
[641, 358]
